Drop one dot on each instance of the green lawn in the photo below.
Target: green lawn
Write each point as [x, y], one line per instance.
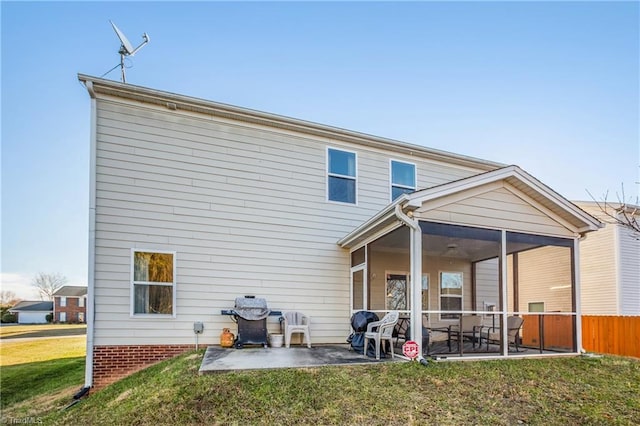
[564, 390]
[39, 375]
[13, 352]
[568, 390]
[37, 387]
[41, 330]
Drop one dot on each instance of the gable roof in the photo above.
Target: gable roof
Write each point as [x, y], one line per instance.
[33, 305]
[101, 88]
[571, 215]
[71, 291]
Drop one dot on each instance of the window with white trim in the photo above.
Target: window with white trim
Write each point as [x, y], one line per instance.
[341, 176]
[397, 291]
[153, 278]
[403, 178]
[81, 302]
[450, 294]
[63, 301]
[62, 317]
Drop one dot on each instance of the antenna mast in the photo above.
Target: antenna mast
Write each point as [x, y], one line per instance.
[126, 49]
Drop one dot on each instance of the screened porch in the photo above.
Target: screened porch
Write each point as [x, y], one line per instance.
[462, 275]
[487, 266]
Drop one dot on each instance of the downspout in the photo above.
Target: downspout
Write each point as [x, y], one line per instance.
[416, 278]
[88, 376]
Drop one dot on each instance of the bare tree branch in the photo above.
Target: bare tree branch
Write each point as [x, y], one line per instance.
[47, 284]
[8, 298]
[623, 212]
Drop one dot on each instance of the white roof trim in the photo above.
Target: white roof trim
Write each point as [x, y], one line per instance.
[98, 87]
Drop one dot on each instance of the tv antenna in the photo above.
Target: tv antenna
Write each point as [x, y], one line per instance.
[126, 48]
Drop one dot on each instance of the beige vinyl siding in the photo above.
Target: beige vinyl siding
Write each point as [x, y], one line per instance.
[598, 272]
[488, 206]
[544, 275]
[487, 275]
[510, 286]
[244, 208]
[609, 268]
[629, 271]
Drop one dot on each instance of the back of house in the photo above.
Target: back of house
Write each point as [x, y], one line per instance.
[196, 203]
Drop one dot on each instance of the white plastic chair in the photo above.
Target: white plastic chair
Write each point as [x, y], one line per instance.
[296, 322]
[383, 331]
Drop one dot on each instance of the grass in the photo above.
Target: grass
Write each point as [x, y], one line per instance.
[533, 391]
[38, 375]
[41, 330]
[40, 386]
[29, 351]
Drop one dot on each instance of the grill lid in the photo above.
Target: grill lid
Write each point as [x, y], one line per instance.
[251, 308]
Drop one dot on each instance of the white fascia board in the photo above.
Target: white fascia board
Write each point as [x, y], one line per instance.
[590, 223]
[372, 225]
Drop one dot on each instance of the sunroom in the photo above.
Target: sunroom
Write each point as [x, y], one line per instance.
[487, 265]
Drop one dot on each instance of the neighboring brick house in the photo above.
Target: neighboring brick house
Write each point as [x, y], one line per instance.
[70, 304]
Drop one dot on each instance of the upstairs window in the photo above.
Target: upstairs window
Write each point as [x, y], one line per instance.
[403, 178]
[153, 283]
[341, 176]
[63, 301]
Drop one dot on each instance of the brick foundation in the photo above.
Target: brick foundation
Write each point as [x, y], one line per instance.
[112, 363]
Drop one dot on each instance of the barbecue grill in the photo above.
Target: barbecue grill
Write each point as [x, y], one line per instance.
[251, 315]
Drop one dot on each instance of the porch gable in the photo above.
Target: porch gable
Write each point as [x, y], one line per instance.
[496, 205]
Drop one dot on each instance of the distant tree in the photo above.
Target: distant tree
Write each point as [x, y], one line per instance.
[624, 212]
[8, 317]
[47, 284]
[8, 298]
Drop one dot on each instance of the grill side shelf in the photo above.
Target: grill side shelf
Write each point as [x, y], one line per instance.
[232, 312]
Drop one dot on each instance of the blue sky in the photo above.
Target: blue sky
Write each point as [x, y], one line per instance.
[550, 86]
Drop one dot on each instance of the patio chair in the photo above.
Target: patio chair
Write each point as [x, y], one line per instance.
[433, 336]
[296, 322]
[514, 324]
[470, 327]
[380, 331]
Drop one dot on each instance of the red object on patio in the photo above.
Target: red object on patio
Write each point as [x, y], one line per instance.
[410, 349]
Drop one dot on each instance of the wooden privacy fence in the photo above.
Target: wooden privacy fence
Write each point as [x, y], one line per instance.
[616, 335]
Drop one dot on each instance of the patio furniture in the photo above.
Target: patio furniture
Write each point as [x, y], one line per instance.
[402, 330]
[514, 324]
[433, 335]
[470, 327]
[296, 322]
[380, 331]
[430, 335]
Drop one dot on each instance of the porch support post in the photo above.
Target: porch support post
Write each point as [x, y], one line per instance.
[416, 275]
[416, 287]
[576, 294]
[505, 300]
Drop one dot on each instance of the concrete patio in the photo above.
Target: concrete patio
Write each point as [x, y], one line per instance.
[217, 359]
